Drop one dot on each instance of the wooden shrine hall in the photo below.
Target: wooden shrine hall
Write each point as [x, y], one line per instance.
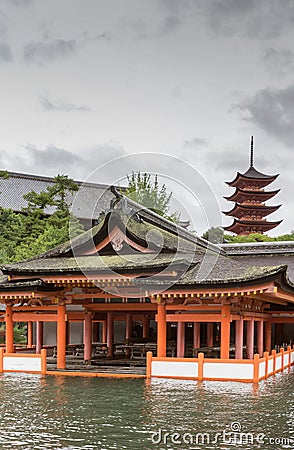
[136, 267]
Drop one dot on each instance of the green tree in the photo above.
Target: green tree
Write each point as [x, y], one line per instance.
[32, 232]
[214, 235]
[146, 191]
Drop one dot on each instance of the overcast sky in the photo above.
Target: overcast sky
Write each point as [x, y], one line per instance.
[83, 82]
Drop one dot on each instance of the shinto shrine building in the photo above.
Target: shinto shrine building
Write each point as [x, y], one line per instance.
[205, 311]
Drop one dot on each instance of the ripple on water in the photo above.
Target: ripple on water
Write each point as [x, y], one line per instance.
[77, 413]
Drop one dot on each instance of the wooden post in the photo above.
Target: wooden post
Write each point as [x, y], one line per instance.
[61, 337]
[239, 333]
[225, 332]
[274, 353]
[250, 338]
[9, 334]
[181, 339]
[196, 335]
[146, 326]
[161, 330]
[129, 327]
[88, 337]
[110, 330]
[282, 352]
[148, 364]
[265, 355]
[260, 337]
[39, 336]
[200, 366]
[29, 334]
[256, 368]
[1, 359]
[289, 353]
[43, 361]
[209, 332]
[104, 332]
[268, 336]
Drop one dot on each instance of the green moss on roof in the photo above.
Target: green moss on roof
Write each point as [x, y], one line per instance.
[140, 261]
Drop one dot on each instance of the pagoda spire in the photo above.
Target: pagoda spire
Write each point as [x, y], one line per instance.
[250, 210]
[251, 152]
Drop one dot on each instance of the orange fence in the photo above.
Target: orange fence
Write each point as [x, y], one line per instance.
[29, 363]
[200, 368]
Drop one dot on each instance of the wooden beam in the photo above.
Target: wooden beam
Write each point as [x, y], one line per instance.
[32, 317]
[122, 307]
[193, 317]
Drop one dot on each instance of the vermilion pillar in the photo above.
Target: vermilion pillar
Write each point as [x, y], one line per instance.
[61, 337]
[30, 334]
[260, 337]
[225, 332]
[110, 330]
[268, 336]
[129, 327]
[181, 339]
[196, 335]
[104, 332]
[239, 333]
[161, 330]
[250, 339]
[146, 326]
[87, 337]
[9, 335]
[39, 336]
[209, 332]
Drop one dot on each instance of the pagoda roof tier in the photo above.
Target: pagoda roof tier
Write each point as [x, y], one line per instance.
[241, 195]
[252, 177]
[251, 226]
[240, 210]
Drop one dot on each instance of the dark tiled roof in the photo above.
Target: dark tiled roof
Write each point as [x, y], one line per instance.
[253, 173]
[221, 270]
[264, 254]
[13, 188]
[99, 263]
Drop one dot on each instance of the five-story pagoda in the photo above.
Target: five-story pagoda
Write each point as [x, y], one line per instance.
[250, 210]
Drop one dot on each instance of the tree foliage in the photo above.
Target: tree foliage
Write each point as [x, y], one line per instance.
[147, 191]
[33, 232]
[216, 235]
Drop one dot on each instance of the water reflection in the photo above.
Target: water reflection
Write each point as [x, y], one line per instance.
[94, 413]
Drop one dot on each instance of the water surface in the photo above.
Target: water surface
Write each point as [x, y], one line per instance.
[99, 413]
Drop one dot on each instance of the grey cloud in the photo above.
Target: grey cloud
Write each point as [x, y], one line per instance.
[62, 105]
[43, 52]
[52, 160]
[278, 62]
[87, 38]
[195, 142]
[273, 111]
[19, 3]
[5, 53]
[253, 18]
